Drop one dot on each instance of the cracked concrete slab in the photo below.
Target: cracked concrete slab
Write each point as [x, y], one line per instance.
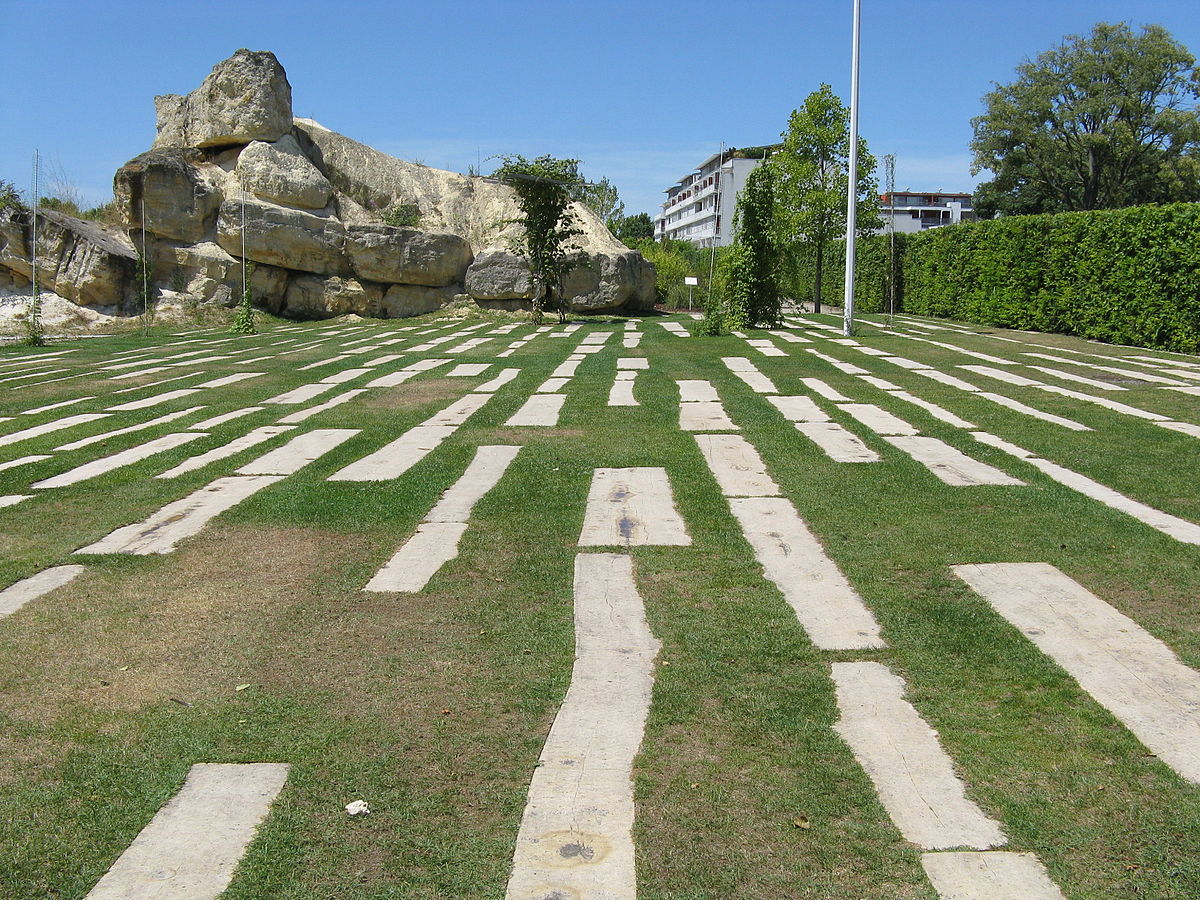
[736, 465]
[632, 507]
[17, 595]
[948, 464]
[837, 443]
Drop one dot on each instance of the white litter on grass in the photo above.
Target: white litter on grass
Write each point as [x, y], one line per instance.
[829, 609]
[995, 875]
[180, 519]
[358, 808]
[905, 761]
[237, 445]
[192, 846]
[17, 595]
[576, 834]
[119, 460]
[539, 410]
[1128, 671]
[632, 507]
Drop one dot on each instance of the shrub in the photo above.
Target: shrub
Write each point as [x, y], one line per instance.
[402, 215]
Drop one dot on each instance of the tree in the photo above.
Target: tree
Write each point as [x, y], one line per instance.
[601, 198]
[812, 178]
[632, 229]
[752, 272]
[1098, 122]
[544, 189]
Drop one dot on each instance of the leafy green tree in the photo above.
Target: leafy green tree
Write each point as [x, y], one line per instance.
[812, 177]
[631, 229]
[1100, 121]
[544, 189]
[10, 197]
[754, 270]
[601, 198]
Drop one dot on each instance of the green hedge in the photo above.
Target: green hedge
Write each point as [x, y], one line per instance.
[1127, 276]
[872, 261]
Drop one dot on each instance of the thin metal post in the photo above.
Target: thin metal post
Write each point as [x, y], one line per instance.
[852, 186]
[243, 297]
[889, 163]
[712, 256]
[145, 266]
[33, 252]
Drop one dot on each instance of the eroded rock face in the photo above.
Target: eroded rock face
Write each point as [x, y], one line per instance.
[403, 300]
[87, 263]
[407, 255]
[499, 275]
[210, 275]
[279, 172]
[284, 237]
[245, 98]
[180, 202]
[311, 297]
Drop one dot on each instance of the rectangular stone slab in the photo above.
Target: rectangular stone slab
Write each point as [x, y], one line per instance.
[24, 461]
[432, 546]
[829, 609]
[468, 370]
[632, 507]
[878, 420]
[576, 834]
[1018, 406]
[298, 452]
[161, 420]
[565, 370]
[693, 391]
[905, 761]
[394, 459]
[156, 400]
[192, 846]
[998, 875]
[736, 465]
[1001, 375]
[118, 460]
[343, 376]
[48, 427]
[621, 394]
[933, 409]
[817, 386]
[182, 518]
[484, 472]
[302, 394]
[838, 444]
[540, 409]
[392, 380]
[1128, 671]
[305, 414]
[505, 376]
[799, 409]
[1107, 403]
[17, 595]
[227, 417]
[633, 362]
[949, 380]
[237, 445]
[230, 379]
[704, 415]
[950, 465]
[552, 385]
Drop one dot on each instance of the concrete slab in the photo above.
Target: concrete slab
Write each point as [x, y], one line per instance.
[989, 876]
[704, 415]
[128, 457]
[230, 379]
[141, 426]
[1000, 444]
[632, 507]
[754, 379]
[817, 386]
[878, 420]
[564, 371]
[552, 385]
[837, 443]
[933, 409]
[298, 452]
[1132, 674]
[192, 846]
[49, 406]
[305, 414]
[539, 410]
[17, 595]
[419, 559]
[1182, 427]
[949, 380]
[881, 383]
[302, 394]
[49, 427]
[505, 376]
[633, 362]
[227, 417]
[392, 379]
[183, 518]
[1079, 379]
[841, 365]
[1106, 402]
[799, 409]
[460, 410]
[484, 472]
[343, 376]
[621, 394]
[237, 445]
[13, 499]
[828, 608]
[468, 370]
[147, 402]
[24, 460]
[905, 761]
[576, 834]
[905, 363]
[736, 465]
[692, 391]
[950, 465]
[1002, 375]
[394, 459]
[1033, 413]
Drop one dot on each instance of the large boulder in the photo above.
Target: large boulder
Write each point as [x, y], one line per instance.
[245, 98]
[85, 262]
[205, 273]
[499, 275]
[285, 237]
[610, 281]
[310, 297]
[179, 199]
[403, 300]
[281, 173]
[407, 255]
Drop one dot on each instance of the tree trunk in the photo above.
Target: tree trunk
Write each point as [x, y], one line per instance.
[817, 279]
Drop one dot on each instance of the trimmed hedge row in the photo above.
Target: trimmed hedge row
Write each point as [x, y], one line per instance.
[1126, 276]
[872, 264]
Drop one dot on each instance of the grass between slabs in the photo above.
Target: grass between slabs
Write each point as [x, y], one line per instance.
[433, 707]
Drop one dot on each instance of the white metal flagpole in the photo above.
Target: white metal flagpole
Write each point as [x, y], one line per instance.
[852, 188]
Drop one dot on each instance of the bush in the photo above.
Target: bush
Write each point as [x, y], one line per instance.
[1127, 276]
[402, 215]
[10, 197]
[871, 273]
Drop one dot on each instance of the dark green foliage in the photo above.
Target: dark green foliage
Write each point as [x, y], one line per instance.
[402, 215]
[1129, 276]
[872, 271]
[243, 322]
[10, 197]
[631, 229]
[752, 285]
[601, 198]
[1101, 121]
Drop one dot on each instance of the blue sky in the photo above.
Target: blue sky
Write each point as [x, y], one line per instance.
[641, 92]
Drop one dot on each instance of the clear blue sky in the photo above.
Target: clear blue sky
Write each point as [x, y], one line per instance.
[641, 92]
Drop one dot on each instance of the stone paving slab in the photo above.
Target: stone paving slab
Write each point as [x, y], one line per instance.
[632, 507]
[17, 595]
[989, 876]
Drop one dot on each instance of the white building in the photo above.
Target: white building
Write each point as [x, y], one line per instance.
[912, 211]
[700, 206]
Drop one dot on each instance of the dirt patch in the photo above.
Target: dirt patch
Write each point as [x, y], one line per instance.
[409, 395]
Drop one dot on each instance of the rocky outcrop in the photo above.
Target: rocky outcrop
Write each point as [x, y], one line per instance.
[310, 297]
[403, 300]
[285, 237]
[281, 173]
[499, 275]
[407, 255]
[87, 263]
[205, 273]
[173, 188]
[245, 98]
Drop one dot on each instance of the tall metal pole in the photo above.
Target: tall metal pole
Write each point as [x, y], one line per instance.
[712, 256]
[33, 251]
[852, 188]
[889, 168]
[145, 268]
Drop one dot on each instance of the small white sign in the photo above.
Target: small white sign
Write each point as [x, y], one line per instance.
[691, 280]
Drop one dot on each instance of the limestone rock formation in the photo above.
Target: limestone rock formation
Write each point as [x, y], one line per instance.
[311, 202]
[245, 98]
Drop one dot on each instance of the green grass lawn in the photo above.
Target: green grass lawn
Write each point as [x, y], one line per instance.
[433, 707]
